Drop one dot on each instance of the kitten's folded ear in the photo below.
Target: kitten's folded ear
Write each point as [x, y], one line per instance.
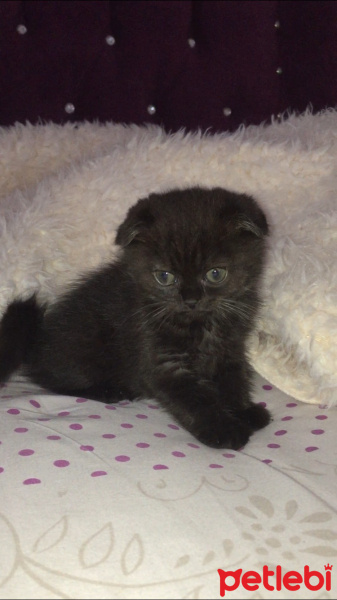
[246, 215]
[257, 225]
[137, 221]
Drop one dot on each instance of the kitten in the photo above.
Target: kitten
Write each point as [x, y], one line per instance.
[168, 319]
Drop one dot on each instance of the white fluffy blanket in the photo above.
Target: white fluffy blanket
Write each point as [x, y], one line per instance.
[65, 189]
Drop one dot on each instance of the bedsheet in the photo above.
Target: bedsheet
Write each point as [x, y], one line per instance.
[117, 501]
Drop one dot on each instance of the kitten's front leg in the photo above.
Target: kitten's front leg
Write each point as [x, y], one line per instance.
[234, 383]
[213, 419]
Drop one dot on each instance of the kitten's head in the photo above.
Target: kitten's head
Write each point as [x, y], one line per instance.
[195, 252]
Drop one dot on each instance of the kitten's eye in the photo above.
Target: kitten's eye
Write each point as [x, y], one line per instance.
[164, 278]
[216, 275]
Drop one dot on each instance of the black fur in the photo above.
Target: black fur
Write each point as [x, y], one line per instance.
[120, 333]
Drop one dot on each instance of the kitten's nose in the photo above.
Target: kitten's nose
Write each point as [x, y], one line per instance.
[191, 302]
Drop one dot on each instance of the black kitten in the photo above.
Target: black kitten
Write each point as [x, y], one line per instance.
[168, 319]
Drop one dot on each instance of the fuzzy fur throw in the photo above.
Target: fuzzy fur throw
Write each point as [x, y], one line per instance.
[65, 189]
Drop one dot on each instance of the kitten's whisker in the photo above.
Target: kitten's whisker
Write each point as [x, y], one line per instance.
[145, 313]
[163, 321]
[154, 315]
[229, 307]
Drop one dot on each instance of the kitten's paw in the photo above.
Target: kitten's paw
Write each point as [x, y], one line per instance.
[231, 432]
[227, 433]
[256, 416]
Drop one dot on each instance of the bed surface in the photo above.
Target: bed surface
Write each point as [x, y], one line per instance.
[117, 501]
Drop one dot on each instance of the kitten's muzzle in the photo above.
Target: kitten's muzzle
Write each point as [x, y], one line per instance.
[191, 303]
[191, 295]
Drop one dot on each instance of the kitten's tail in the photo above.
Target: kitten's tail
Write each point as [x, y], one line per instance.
[18, 329]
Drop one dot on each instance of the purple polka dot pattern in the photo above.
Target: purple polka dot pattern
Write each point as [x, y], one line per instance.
[26, 452]
[31, 481]
[35, 403]
[98, 473]
[282, 432]
[89, 429]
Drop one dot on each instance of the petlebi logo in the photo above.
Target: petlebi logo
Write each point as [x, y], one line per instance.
[275, 580]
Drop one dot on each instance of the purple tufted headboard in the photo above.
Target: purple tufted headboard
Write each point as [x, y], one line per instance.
[207, 64]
